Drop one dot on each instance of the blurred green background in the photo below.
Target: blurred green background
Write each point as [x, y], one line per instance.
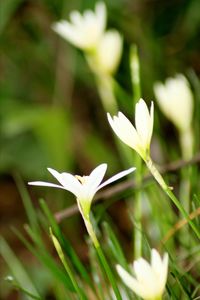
[50, 111]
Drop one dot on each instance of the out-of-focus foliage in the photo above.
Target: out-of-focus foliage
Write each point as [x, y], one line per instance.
[44, 82]
[51, 114]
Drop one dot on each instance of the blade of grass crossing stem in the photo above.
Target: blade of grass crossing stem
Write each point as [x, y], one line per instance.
[17, 269]
[102, 258]
[34, 237]
[67, 268]
[182, 287]
[166, 189]
[46, 260]
[116, 250]
[195, 206]
[114, 246]
[58, 248]
[98, 276]
[108, 272]
[65, 243]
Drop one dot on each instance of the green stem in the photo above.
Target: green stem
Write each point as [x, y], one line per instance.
[138, 212]
[171, 195]
[102, 257]
[135, 73]
[135, 79]
[186, 142]
[106, 92]
[61, 255]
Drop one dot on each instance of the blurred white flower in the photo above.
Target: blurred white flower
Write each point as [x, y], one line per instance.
[138, 137]
[176, 101]
[150, 279]
[85, 30]
[84, 188]
[108, 52]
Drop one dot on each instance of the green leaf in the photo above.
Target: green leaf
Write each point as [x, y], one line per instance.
[45, 258]
[80, 291]
[65, 244]
[17, 269]
[114, 246]
[30, 210]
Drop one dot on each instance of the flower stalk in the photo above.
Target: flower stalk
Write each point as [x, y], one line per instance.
[175, 100]
[136, 86]
[158, 177]
[102, 257]
[84, 188]
[139, 139]
[67, 267]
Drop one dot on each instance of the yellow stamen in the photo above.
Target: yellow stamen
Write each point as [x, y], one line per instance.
[82, 179]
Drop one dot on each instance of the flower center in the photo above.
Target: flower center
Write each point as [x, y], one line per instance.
[82, 179]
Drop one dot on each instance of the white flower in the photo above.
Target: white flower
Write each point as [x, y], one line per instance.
[150, 279]
[138, 138]
[85, 30]
[176, 101]
[84, 188]
[108, 52]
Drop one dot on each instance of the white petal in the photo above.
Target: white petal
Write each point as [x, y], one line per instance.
[156, 261]
[143, 122]
[109, 51]
[143, 270]
[163, 98]
[71, 184]
[130, 281]
[151, 121]
[176, 101]
[69, 32]
[125, 131]
[42, 183]
[89, 188]
[57, 175]
[68, 181]
[95, 178]
[160, 267]
[76, 18]
[89, 16]
[100, 10]
[116, 177]
[146, 276]
[165, 269]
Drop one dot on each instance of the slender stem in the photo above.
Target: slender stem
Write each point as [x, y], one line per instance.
[106, 92]
[136, 85]
[104, 84]
[138, 212]
[102, 257]
[186, 142]
[67, 267]
[171, 195]
[185, 189]
[135, 73]
[108, 272]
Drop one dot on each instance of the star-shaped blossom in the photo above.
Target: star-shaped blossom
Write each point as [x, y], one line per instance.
[150, 279]
[83, 31]
[138, 137]
[84, 188]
